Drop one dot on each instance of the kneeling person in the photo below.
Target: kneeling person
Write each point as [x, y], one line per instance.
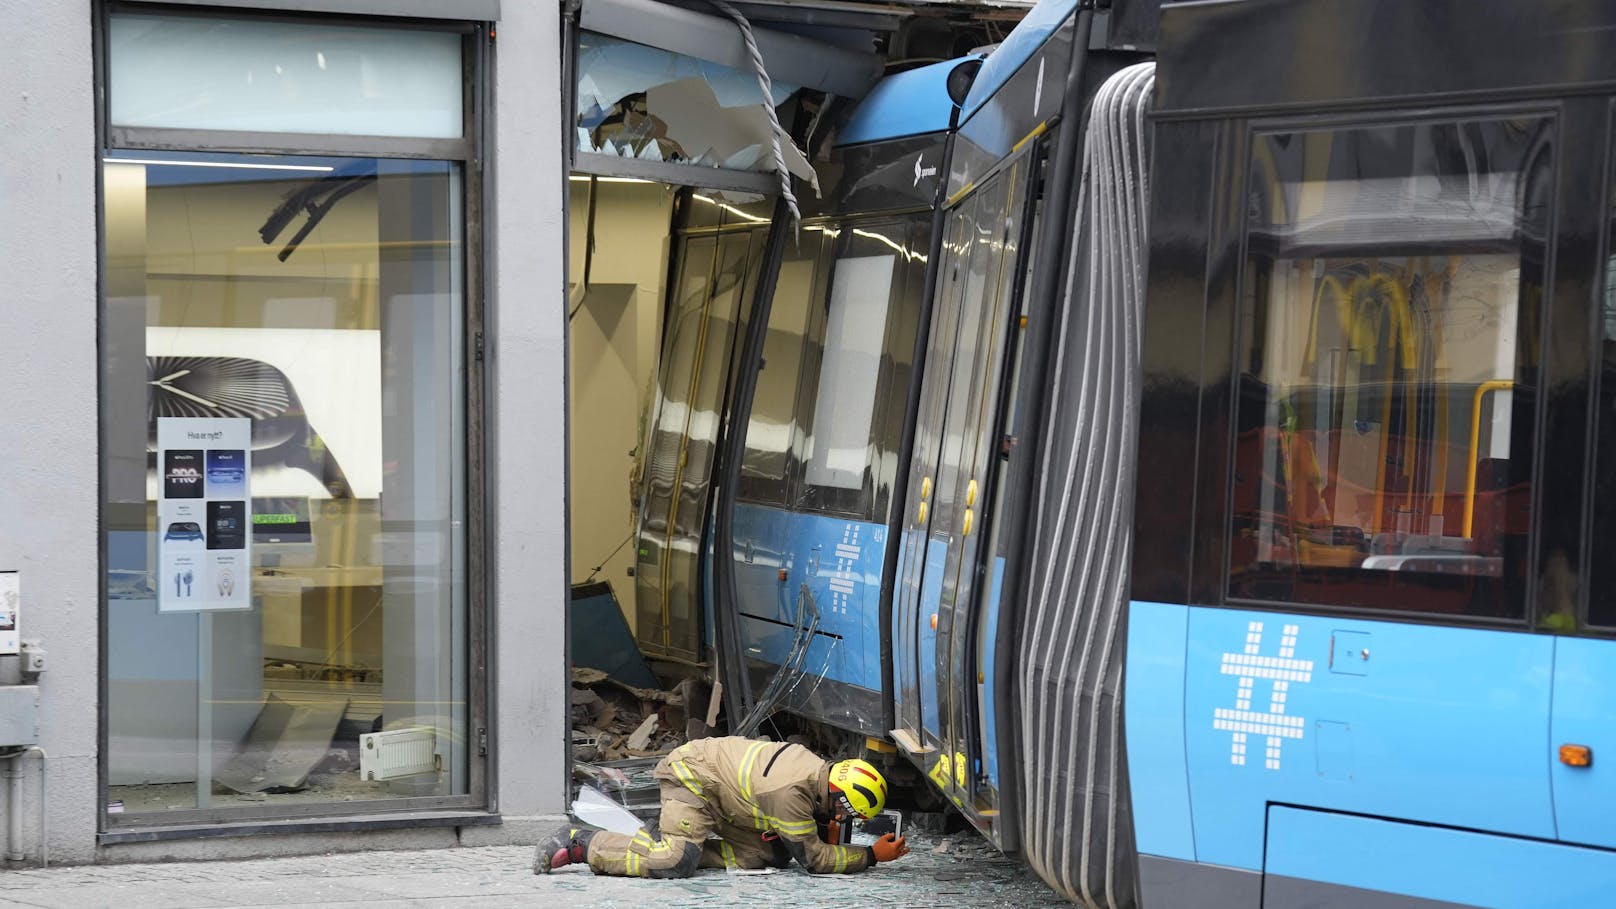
[762, 800]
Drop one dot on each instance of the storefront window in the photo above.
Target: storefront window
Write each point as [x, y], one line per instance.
[181, 72]
[283, 421]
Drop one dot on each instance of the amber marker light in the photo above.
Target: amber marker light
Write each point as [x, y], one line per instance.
[1576, 755]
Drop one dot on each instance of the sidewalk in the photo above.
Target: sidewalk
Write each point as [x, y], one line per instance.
[968, 873]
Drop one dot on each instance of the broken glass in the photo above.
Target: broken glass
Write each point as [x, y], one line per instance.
[643, 102]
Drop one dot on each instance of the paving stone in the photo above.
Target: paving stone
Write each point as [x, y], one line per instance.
[969, 873]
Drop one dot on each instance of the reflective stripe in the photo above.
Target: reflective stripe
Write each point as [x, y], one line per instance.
[643, 840]
[764, 822]
[683, 772]
[729, 854]
[743, 779]
[795, 828]
[745, 774]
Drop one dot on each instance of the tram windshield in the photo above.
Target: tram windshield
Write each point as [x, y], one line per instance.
[1389, 320]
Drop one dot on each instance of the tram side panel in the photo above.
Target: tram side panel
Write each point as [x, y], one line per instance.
[1333, 692]
[811, 523]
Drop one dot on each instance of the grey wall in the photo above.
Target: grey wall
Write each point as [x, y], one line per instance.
[527, 402]
[48, 418]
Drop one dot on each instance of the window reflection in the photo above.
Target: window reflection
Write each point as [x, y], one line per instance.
[316, 305]
[774, 439]
[716, 282]
[1380, 459]
[1602, 581]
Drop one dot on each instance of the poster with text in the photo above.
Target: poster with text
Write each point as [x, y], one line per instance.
[204, 513]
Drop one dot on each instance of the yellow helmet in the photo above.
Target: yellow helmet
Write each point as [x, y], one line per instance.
[859, 786]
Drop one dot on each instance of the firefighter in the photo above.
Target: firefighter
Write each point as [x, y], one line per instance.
[739, 803]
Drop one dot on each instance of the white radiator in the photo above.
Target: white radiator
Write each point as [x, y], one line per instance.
[397, 753]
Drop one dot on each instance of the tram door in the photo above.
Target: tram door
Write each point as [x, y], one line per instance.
[922, 551]
[955, 458]
[716, 272]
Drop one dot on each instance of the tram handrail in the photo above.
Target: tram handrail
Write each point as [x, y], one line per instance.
[1475, 442]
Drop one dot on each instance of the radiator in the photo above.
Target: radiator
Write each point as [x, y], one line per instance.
[397, 753]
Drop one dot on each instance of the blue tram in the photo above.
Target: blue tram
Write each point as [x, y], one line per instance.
[1368, 658]
[1196, 471]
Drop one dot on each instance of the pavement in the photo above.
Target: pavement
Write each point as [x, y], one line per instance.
[957, 870]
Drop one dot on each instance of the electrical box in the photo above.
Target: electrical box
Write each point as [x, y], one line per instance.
[19, 715]
[10, 611]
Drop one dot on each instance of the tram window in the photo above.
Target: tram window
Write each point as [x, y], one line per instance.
[1383, 443]
[1602, 582]
[855, 327]
[774, 435]
[853, 383]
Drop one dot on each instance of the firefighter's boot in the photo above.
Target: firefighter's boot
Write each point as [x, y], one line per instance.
[565, 846]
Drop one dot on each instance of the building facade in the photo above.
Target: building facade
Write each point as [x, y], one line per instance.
[284, 355]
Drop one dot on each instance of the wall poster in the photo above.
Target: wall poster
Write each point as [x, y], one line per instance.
[204, 515]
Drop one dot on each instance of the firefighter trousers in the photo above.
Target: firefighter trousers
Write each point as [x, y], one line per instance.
[689, 837]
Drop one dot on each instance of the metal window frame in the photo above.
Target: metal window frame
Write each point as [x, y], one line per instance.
[477, 104]
[460, 10]
[601, 165]
[1400, 114]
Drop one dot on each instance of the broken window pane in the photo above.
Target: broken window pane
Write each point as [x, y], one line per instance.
[642, 102]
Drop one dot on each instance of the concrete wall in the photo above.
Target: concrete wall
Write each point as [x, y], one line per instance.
[527, 351]
[614, 342]
[50, 463]
[48, 451]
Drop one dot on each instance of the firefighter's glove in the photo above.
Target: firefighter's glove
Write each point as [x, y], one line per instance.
[889, 847]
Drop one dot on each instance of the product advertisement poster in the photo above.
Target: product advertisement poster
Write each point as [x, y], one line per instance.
[204, 513]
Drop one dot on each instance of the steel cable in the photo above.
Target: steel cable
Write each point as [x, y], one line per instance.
[775, 129]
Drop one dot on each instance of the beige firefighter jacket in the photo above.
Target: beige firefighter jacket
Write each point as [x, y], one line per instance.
[767, 787]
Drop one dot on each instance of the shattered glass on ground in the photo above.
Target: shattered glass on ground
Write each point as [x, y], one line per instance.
[957, 870]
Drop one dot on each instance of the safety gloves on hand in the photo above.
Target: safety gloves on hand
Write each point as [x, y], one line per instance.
[889, 847]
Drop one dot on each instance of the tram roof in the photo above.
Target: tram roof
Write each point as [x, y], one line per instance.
[1017, 48]
[911, 103]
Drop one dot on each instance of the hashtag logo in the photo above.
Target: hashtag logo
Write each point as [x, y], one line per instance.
[845, 579]
[1280, 671]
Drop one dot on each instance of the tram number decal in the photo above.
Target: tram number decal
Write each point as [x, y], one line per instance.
[845, 580]
[1280, 671]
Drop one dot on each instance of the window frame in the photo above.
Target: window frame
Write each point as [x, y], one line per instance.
[871, 501]
[476, 806]
[1235, 253]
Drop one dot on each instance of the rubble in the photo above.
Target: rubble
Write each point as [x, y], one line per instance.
[641, 737]
[613, 721]
[620, 733]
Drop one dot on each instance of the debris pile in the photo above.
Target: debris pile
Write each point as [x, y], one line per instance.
[614, 721]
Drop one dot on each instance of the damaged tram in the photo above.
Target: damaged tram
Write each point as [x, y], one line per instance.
[1263, 412]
